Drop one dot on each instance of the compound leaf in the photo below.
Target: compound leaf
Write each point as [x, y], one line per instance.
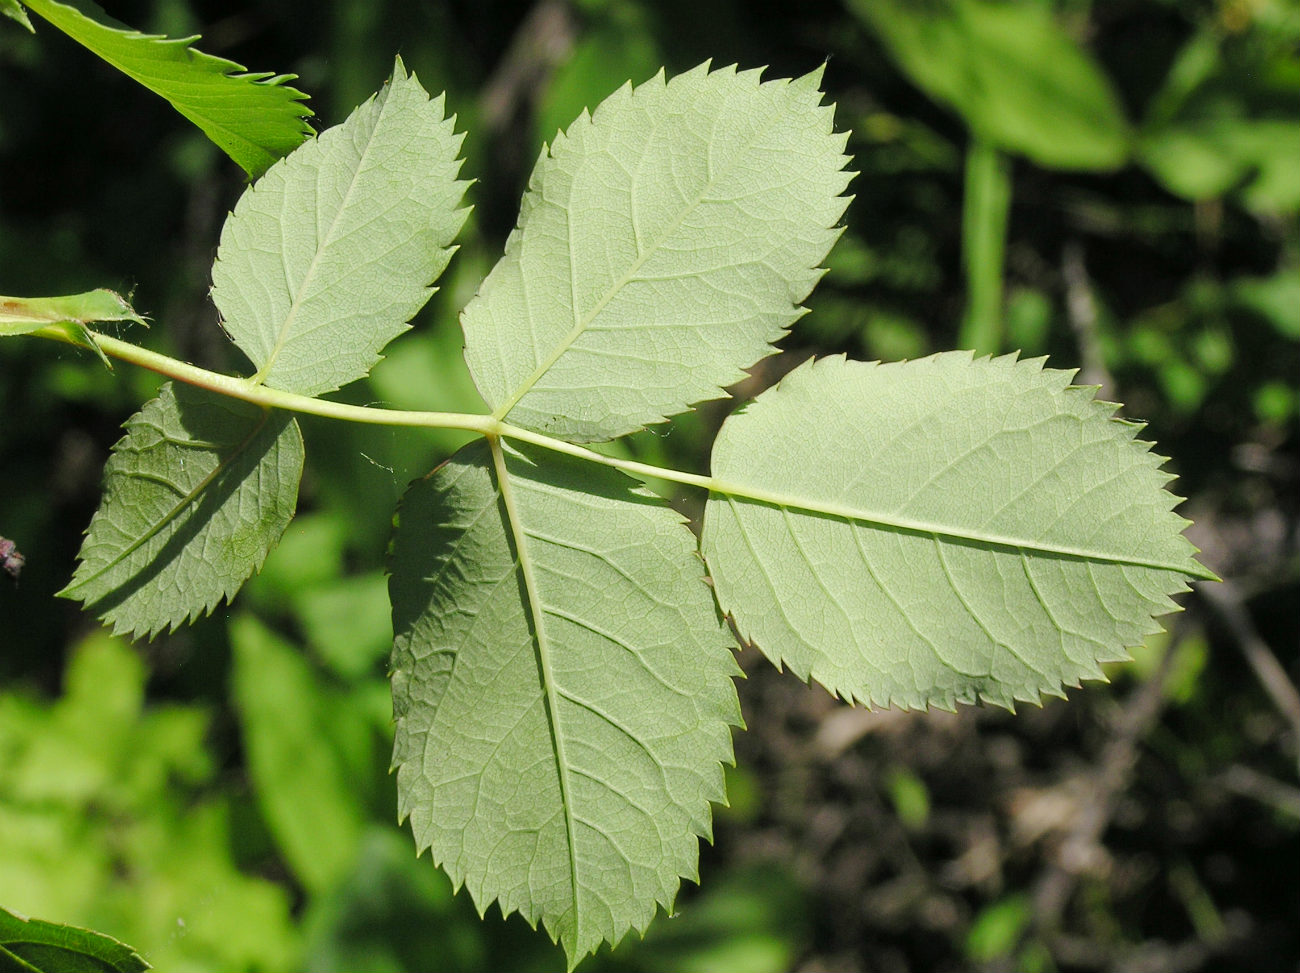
[196, 494]
[328, 256]
[254, 118]
[663, 244]
[562, 688]
[941, 531]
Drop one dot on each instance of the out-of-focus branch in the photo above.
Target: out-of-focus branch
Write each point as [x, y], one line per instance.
[1109, 777]
[1081, 310]
[1228, 607]
[1249, 782]
[543, 41]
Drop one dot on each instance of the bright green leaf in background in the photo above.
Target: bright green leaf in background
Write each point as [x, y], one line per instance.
[34, 946]
[665, 241]
[307, 754]
[1225, 121]
[562, 689]
[1018, 79]
[254, 118]
[998, 929]
[618, 43]
[14, 10]
[196, 494]
[329, 255]
[941, 531]
[133, 788]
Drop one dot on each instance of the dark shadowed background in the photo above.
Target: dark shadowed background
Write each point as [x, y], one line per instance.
[219, 798]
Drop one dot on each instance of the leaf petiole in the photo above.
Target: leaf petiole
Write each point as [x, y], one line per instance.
[486, 425]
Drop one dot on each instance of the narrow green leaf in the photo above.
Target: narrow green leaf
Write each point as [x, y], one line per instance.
[254, 118]
[663, 244]
[941, 531]
[1016, 77]
[14, 10]
[328, 256]
[562, 688]
[23, 315]
[35, 946]
[986, 209]
[197, 492]
[68, 315]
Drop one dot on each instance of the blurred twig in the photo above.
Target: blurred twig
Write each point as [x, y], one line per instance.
[1249, 782]
[1226, 603]
[1081, 309]
[543, 41]
[1109, 777]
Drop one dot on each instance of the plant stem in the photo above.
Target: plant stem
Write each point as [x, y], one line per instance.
[245, 389]
[249, 391]
[985, 208]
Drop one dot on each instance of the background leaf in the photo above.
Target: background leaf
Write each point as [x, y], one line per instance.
[254, 118]
[307, 753]
[136, 787]
[941, 531]
[328, 256]
[195, 494]
[562, 689]
[1015, 76]
[36, 946]
[1224, 121]
[663, 243]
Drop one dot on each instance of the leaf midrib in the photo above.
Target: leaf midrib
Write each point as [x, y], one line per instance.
[584, 322]
[296, 298]
[912, 525]
[1187, 566]
[187, 500]
[544, 661]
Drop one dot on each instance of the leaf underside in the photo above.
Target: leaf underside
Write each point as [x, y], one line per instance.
[664, 242]
[941, 531]
[916, 534]
[329, 255]
[196, 494]
[562, 687]
[255, 119]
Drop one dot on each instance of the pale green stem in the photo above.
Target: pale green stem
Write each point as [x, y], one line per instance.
[243, 388]
[251, 391]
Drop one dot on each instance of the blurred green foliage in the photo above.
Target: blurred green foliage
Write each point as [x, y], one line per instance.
[218, 798]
